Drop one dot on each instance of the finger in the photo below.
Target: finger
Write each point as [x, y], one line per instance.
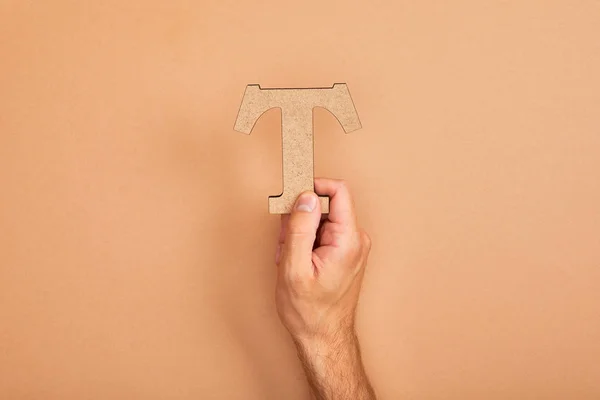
[300, 234]
[282, 230]
[285, 219]
[341, 206]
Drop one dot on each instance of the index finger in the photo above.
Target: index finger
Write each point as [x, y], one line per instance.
[341, 206]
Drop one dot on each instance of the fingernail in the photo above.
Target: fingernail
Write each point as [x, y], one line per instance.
[307, 202]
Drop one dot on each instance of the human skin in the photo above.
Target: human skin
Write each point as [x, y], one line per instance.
[321, 262]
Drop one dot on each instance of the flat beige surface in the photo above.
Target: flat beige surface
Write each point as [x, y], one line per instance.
[136, 257]
[297, 136]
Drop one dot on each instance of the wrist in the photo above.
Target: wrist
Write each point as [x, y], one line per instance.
[324, 343]
[326, 332]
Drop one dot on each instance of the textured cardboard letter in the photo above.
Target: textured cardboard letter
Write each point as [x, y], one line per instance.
[297, 132]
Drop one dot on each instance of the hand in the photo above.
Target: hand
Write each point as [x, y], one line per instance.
[321, 262]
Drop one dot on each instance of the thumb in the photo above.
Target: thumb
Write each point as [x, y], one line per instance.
[301, 233]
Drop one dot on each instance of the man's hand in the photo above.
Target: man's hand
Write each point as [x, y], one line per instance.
[321, 263]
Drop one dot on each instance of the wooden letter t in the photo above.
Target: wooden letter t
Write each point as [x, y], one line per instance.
[297, 132]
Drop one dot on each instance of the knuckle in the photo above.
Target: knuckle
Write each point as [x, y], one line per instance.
[301, 227]
[298, 229]
[298, 282]
[296, 239]
[355, 248]
[296, 279]
[343, 184]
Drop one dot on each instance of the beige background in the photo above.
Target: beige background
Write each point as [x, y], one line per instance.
[136, 257]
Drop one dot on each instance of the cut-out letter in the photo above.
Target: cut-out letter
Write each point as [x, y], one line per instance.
[297, 132]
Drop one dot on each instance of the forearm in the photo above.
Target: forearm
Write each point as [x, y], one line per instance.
[334, 368]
